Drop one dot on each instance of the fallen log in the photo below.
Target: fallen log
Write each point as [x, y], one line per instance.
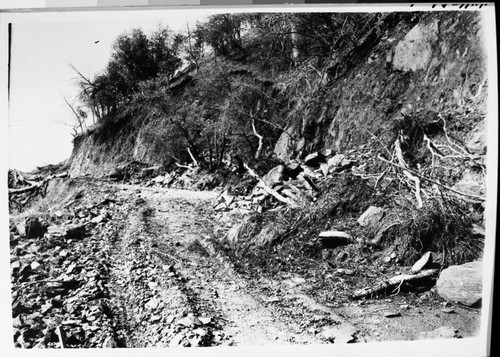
[395, 281]
[268, 189]
[13, 191]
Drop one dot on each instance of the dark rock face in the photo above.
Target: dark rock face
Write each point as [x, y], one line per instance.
[34, 228]
[423, 76]
[462, 283]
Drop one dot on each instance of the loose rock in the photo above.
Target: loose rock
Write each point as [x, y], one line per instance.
[461, 283]
[371, 216]
[441, 332]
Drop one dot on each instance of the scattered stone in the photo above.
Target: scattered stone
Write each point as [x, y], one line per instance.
[346, 272]
[189, 321]
[295, 281]
[155, 318]
[153, 304]
[116, 174]
[371, 216]
[471, 183]
[333, 239]
[461, 283]
[335, 160]
[18, 321]
[205, 320]
[152, 285]
[21, 229]
[159, 179]
[176, 340]
[477, 139]
[441, 332]
[339, 335]
[56, 231]
[422, 262]
[448, 310]
[274, 176]
[324, 169]
[109, 342]
[97, 219]
[391, 314]
[16, 265]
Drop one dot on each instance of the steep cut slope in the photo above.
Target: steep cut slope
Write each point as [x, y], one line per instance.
[436, 66]
[409, 65]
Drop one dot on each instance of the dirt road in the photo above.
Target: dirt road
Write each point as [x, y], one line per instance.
[197, 283]
[149, 272]
[194, 296]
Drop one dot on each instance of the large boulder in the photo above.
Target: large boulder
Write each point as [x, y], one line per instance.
[441, 332]
[371, 216]
[477, 139]
[461, 283]
[414, 52]
[471, 183]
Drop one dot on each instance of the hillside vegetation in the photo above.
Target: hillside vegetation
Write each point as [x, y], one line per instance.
[389, 90]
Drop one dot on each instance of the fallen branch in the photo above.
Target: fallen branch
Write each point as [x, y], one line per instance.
[261, 140]
[183, 166]
[268, 189]
[14, 191]
[433, 181]
[415, 179]
[192, 157]
[62, 336]
[395, 281]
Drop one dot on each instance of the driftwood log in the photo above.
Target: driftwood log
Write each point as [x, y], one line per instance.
[393, 282]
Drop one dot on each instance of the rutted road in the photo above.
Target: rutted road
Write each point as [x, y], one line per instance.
[209, 303]
[178, 233]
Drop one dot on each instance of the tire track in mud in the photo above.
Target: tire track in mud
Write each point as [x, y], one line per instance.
[180, 231]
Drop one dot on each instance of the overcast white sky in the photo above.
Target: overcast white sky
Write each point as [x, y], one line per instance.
[43, 46]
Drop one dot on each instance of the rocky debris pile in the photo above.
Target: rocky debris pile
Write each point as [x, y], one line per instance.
[25, 187]
[296, 184]
[59, 272]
